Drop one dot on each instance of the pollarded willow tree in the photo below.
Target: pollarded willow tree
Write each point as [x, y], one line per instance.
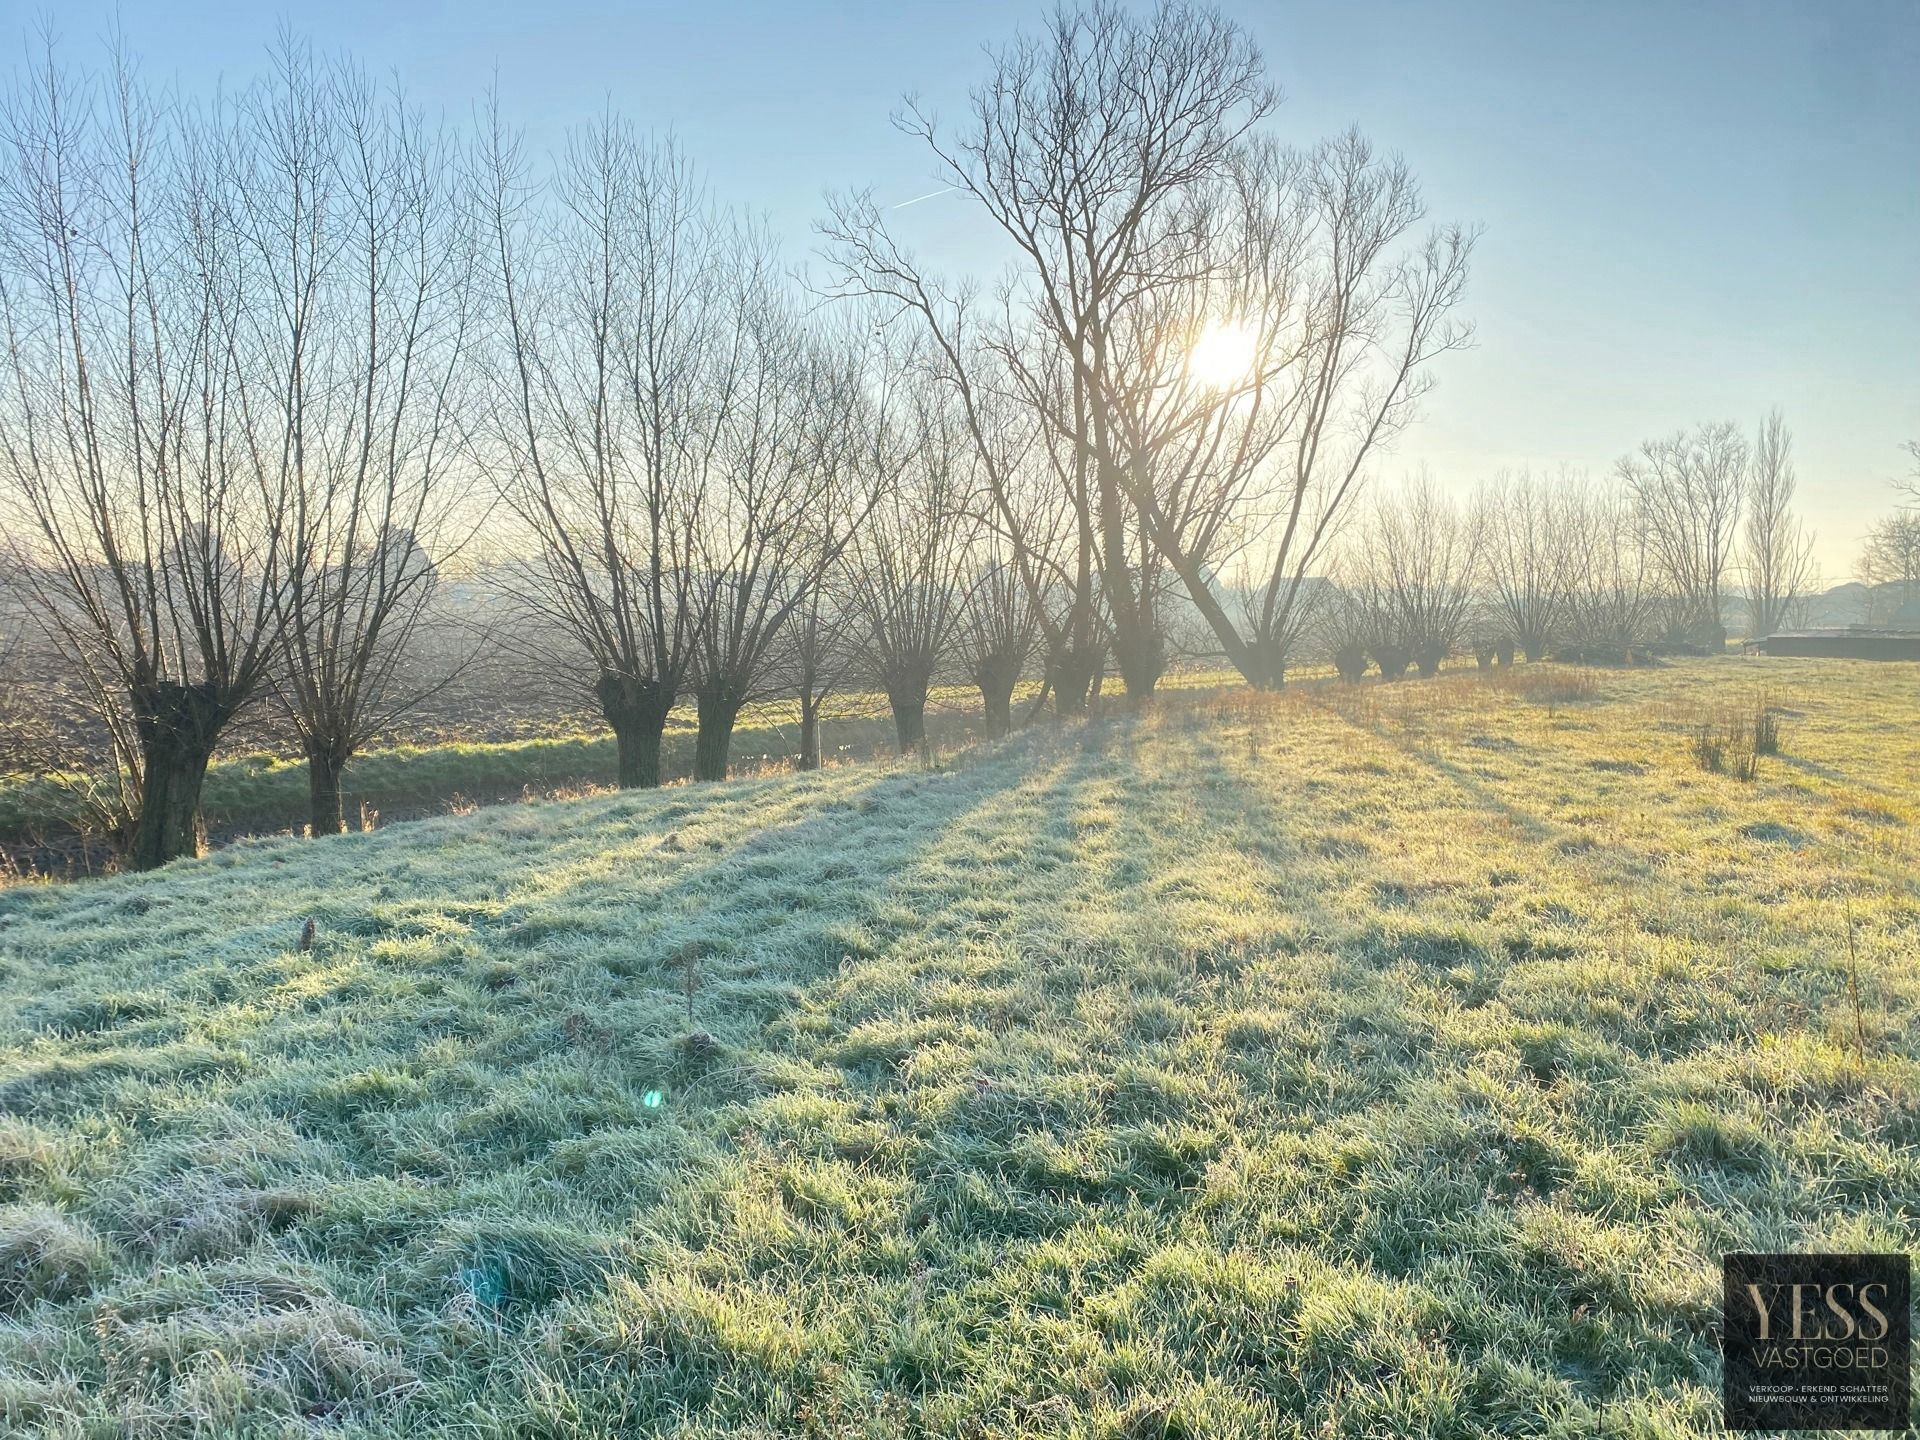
[805, 449]
[1037, 495]
[910, 566]
[1418, 555]
[1612, 599]
[1332, 316]
[614, 343]
[1530, 550]
[686, 453]
[999, 634]
[351, 196]
[146, 454]
[1086, 147]
[819, 657]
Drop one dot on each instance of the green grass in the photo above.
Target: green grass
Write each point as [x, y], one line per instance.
[262, 792]
[1390, 1061]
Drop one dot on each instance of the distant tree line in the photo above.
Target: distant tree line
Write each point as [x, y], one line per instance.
[276, 363]
[1566, 567]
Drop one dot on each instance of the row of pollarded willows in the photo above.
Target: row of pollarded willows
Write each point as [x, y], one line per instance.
[279, 364]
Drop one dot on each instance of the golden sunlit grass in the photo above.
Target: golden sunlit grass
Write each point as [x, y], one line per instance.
[1390, 1060]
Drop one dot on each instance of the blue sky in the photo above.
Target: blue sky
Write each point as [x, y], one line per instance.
[1692, 210]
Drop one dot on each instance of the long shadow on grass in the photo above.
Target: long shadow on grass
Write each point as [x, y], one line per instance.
[1016, 1045]
[512, 938]
[450, 871]
[1618, 865]
[1427, 1157]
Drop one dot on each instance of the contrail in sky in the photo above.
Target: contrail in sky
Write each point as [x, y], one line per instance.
[931, 194]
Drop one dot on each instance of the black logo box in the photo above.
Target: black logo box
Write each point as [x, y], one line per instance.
[1817, 1342]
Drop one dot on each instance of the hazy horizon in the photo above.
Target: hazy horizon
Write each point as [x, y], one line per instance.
[1687, 217]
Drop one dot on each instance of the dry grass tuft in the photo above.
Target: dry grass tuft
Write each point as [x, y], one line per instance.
[1729, 738]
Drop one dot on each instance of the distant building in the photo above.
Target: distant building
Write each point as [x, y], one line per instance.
[1854, 642]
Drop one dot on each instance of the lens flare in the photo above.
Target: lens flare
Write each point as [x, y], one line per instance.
[1224, 354]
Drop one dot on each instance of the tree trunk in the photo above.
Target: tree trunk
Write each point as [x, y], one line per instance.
[996, 675]
[910, 720]
[1139, 656]
[325, 813]
[178, 726]
[717, 710]
[998, 700]
[1073, 668]
[809, 732]
[1136, 639]
[1038, 702]
[1245, 656]
[636, 710]
[1264, 665]
[1392, 660]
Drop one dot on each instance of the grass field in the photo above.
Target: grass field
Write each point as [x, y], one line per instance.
[260, 793]
[43, 818]
[1376, 1062]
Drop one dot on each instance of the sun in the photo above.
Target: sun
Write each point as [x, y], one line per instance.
[1224, 354]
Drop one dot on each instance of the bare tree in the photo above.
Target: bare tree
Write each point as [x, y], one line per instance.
[1890, 560]
[1001, 632]
[909, 567]
[1344, 625]
[1082, 147]
[144, 457]
[1778, 562]
[804, 451]
[1689, 491]
[819, 656]
[614, 339]
[1370, 616]
[1420, 555]
[1118, 154]
[1611, 599]
[1336, 332]
[1890, 564]
[1037, 493]
[1531, 536]
[350, 198]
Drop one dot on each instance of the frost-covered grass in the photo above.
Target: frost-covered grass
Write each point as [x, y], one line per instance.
[1396, 1061]
[260, 793]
